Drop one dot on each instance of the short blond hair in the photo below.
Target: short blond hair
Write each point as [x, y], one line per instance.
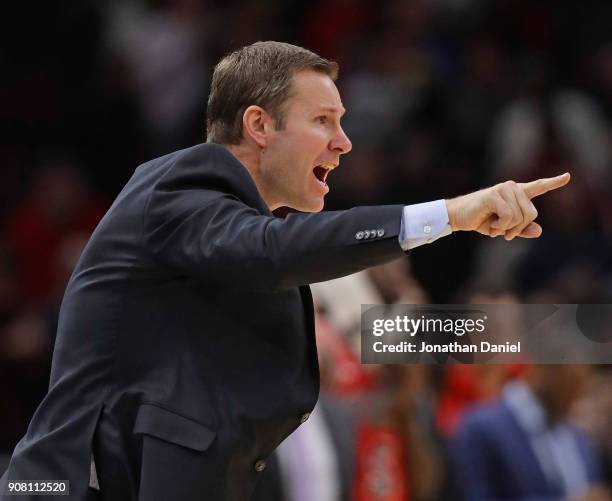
[258, 74]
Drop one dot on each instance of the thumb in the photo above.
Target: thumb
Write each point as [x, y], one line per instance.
[533, 230]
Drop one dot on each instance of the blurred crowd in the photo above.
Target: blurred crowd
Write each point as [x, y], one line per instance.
[443, 97]
[444, 433]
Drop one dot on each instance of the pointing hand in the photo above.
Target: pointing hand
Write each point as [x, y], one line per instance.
[504, 209]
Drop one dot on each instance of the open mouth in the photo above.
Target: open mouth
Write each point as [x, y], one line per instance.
[322, 171]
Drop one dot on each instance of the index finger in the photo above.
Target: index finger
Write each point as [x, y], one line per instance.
[540, 186]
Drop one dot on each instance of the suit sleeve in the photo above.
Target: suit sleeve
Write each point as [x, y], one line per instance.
[221, 240]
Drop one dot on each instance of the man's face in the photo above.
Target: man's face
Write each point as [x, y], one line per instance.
[559, 386]
[298, 158]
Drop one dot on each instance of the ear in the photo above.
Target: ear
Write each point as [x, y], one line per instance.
[256, 124]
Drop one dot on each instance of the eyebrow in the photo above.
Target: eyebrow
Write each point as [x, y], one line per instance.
[333, 109]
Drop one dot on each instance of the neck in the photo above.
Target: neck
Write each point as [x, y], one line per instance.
[250, 158]
[547, 401]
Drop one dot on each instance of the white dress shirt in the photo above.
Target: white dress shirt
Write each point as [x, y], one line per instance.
[423, 224]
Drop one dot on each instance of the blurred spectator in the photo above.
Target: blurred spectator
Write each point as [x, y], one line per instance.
[25, 362]
[593, 413]
[342, 373]
[463, 386]
[59, 206]
[573, 224]
[396, 284]
[523, 447]
[332, 26]
[525, 128]
[338, 324]
[8, 286]
[163, 47]
[397, 457]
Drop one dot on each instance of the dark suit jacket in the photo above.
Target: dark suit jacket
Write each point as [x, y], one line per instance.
[185, 350]
[341, 424]
[494, 459]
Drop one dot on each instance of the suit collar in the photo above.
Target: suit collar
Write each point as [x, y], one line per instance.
[242, 183]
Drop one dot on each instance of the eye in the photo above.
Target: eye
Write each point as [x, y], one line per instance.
[322, 119]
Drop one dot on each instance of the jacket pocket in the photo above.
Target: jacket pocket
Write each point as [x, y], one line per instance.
[172, 427]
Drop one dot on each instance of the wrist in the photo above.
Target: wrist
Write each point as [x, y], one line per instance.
[451, 208]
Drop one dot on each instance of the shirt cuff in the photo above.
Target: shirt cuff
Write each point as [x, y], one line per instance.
[423, 223]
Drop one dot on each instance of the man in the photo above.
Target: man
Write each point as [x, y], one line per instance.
[522, 447]
[185, 350]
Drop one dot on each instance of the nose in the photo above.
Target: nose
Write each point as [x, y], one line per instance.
[341, 143]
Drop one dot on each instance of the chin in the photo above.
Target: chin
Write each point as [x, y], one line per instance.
[315, 206]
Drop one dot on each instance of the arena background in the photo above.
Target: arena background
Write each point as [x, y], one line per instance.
[443, 97]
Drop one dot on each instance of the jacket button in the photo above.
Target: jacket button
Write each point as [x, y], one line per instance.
[359, 235]
[260, 465]
[380, 232]
[304, 417]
